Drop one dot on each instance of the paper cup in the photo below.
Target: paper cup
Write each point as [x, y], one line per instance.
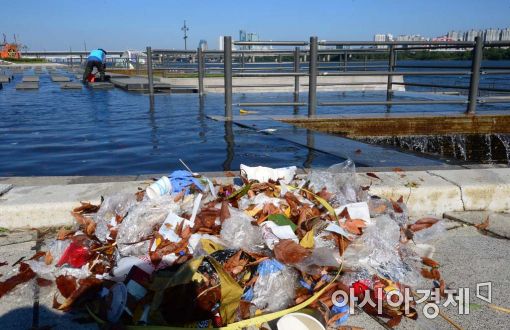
[299, 321]
[159, 188]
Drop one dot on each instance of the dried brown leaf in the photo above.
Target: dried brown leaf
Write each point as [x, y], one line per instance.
[66, 285]
[335, 318]
[224, 212]
[354, 226]
[25, 274]
[64, 233]
[48, 258]
[483, 225]
[289, 252]
[394, 321]
[373, 175]
[42, 282]
[86, 208]
[429, 262]
[396, 206]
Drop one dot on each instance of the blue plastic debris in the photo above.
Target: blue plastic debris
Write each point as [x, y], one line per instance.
[182, 180]
[270, 266]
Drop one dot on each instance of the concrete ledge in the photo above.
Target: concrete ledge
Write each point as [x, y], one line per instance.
[482, 189]
[424, 194]
[44, 206]
[47, 201]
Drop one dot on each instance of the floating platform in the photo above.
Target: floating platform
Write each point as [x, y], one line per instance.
[60, 78]
[30, 79]
[5, 79]
[101, 85]
[71, 85]
[28, 85]
[138, 84]
[183, 89]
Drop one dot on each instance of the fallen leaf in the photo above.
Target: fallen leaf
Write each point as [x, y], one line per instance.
[429, 262]
[358, 151]
[86, 208]
[397, 169]
[396, 207]
[394, 321]
[85, 285]
[63, 233]
[224, 212]
[354, 226]
[379, 209]
[25, 274]
[370, 174]
[42, 282]
[48, 258]
[66, 285]
[289, 252]
[423, 223]
[335, 318]
[483, 225]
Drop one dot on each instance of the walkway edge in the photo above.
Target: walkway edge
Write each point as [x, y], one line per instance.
[431, 192]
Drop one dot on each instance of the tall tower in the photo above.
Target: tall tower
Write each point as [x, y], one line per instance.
[185, 29]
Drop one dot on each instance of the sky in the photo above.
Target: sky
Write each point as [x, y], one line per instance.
[130, 24]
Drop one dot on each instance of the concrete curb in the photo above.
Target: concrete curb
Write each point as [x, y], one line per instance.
[39, 202]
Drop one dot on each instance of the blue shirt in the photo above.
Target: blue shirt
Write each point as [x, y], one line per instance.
[96, 55]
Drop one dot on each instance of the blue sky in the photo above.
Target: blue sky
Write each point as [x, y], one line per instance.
[119, 25]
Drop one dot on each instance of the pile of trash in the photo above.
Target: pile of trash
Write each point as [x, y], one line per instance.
[191, 252]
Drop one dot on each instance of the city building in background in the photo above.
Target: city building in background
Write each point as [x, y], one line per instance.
[491, 34]
[248, 36]
[203, 44]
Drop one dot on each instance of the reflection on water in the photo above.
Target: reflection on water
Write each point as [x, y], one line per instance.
[104, 132]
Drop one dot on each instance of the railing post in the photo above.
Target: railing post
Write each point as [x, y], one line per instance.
[296, 70]
[345, 61]
[149, 71]
[201, 71]
[312, 78]
[391, 66]
[475, 75]
[227, 72]
[365, 63]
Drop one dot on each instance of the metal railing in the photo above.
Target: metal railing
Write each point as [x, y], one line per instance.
[303, 59]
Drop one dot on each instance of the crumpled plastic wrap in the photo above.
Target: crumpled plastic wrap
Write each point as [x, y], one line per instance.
[116, 204]
[140, 222]
[238, 232]
[321, 256]
[378, 249]
[430, 234]
[275, 286]
[340, 180]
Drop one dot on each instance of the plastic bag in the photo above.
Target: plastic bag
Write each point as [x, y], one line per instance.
[133, 232]
[429, 234]
[275, 286]
[117, 204]
[378, 250]
[340, 180]
[264, 174]
[322, 256]
[238, 232]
